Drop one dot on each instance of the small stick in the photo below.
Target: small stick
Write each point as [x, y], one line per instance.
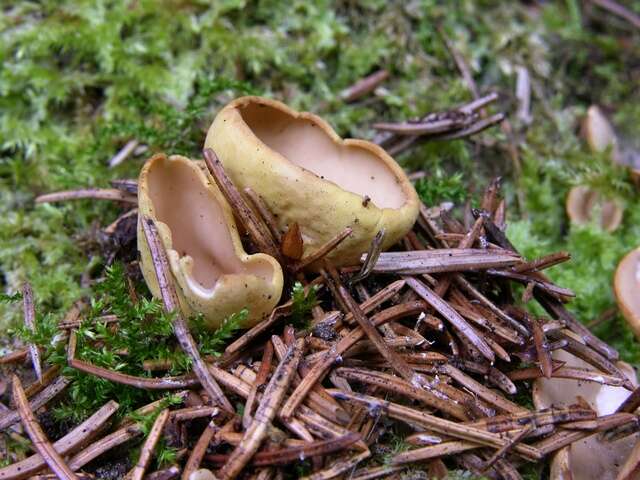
[257, 231]
[48, 376]
[480, 390]
[620, 11]
[165, 474]
[371, 258]
[200, 448]
[323, 251]
[95, 193]
[631, 403]
[556, 309]
[562, 437]
[320, 368]
[451, 315]
[171, 305]
[339, 466]
[285, 456]
[37, 436]
[145, 383]
[433, 451]
[364, 86]
[377, 299]
[51, 391]
[539, 284]
[191, 413]
[261, 379]
[423, 128]
[15, 356]
[30, 321]
[394, 359]
[63, 446]
[436, 424]
[105, 444]
[431, 396]
[442, 260]
[587, 354]
[123, 153]
[474, 128]
[127, 185]
[277, 313]
[466, 286]
[265, 213]
[567, 372]
[149, 445]
[507, 448]
[540, 341]
[266, 411]
[377, 472]
[542, 262]
[551, 416]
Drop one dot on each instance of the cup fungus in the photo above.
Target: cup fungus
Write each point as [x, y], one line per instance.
[626, 285]
[212, 272]
[581, 203]
[308, 175]
[600, 135]
[593, 457]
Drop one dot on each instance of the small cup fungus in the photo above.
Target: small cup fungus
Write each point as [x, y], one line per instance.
[308, 175]
[212, 272]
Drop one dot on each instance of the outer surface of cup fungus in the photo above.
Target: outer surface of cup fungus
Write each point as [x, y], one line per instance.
[212, 272]
[626, 284]
[581, 202]
[590, 458]
[307, 174]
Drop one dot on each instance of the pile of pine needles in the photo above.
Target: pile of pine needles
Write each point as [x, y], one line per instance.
[431, 340]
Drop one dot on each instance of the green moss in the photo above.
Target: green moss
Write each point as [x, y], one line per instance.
[80, 78]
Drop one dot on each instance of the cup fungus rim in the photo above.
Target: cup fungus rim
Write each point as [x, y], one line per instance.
[389, 163]
[576, 200]
[182, 265]
[631, 314]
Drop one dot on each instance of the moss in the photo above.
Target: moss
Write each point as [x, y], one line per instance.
[80, 78]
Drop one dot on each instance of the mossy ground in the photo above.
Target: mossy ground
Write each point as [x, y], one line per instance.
[80, 78]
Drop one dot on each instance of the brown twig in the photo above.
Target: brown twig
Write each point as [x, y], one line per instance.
[620, 11]
[63, 446]
[258, 232]
[323, 250]
[171, 305]
[200, 448]
[451, 315]
[30, 322]
[261, 379]
[540, 341]
[266, 411]
[163, 383]
[319, 369]
[285, 456]
[40, 441]
[339, 466]
[433, 451]
[364, 86]
[149, 445]
[265, 213]
[95, 193]
[371, 257]
[442, 260]
[51, 391]
[435, 424]
[15, 357]
[105, 444]
[394, 359]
